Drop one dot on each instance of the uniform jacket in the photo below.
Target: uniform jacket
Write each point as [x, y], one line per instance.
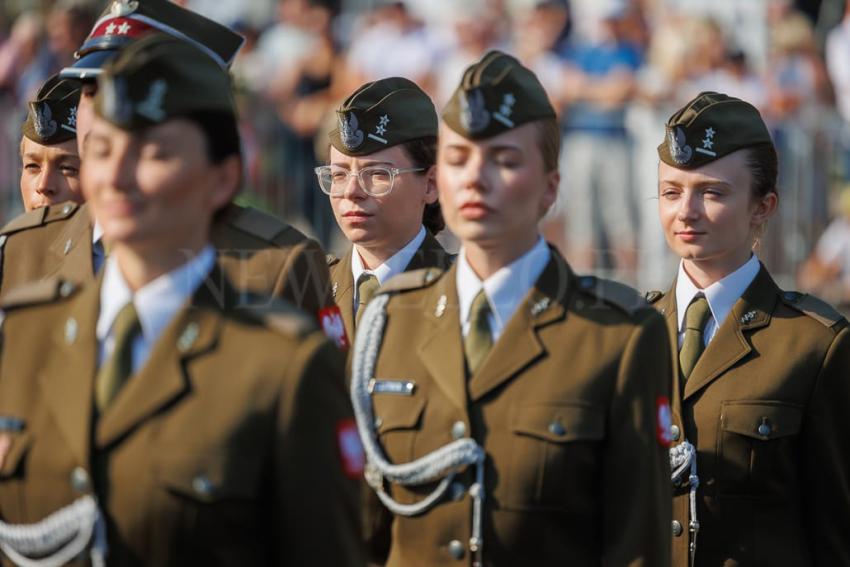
[765, 408]
[259, 253]
[222, 450]
[430, 254]
[565, 408]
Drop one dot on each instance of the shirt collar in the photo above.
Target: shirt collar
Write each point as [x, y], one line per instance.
[158, 301]
[506, 288]
[96, 232]
[721, 295]
[394, 264]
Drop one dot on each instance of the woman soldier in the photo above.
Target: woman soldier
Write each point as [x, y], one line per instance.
[382, 184]
[165, 423]
[761, 387]
[513, 413]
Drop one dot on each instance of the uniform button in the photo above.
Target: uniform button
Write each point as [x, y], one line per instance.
[764, 428]
[675, 433]
[80, 479]
[677, 528]
[556, 428]
[456, 549]
[457, 491]
[202, 485]
[458, 430]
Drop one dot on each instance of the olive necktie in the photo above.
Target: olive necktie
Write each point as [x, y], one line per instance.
[693, 342]
[478, 341]
[367, 286]
[119, 366]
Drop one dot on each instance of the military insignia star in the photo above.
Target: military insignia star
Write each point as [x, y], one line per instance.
[72, 117]
[124, 28]
[709, 132]
[110, 29]
[380, 130]
[708, 143]
[384, 120]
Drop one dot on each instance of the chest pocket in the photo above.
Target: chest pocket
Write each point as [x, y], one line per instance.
[398, 419]
[759, 448]
[554, 451]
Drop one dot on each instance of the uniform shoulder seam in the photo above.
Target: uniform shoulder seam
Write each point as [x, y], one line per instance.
[814, 307]
[414, 279]
[625, 297]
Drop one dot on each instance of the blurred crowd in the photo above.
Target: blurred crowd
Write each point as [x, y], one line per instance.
[615, 69]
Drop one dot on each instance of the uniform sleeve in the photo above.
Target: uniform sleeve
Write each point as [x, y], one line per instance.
[826, 458]
[637, 489]
[304, 279]
[317, 504]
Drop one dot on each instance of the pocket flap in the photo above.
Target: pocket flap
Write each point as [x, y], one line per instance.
[559, 422]
[397, 412]
[761, 420]
[205, 477]
[13, 447]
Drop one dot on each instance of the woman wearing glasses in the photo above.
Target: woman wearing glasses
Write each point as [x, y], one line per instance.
[381, 182]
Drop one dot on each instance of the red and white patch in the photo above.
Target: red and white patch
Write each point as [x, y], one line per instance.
[125, 27]
[5, 445]
[664, 424]
[330, 318]
[350, 449]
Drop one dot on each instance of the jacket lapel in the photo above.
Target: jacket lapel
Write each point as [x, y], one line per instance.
[441, 353]
[731, 343]
[430, 254]
[71, 252]
[67, 382]
[166, 375]
[342, 286]
[520, 344]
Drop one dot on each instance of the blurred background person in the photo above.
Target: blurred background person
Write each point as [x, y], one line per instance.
[826, 272]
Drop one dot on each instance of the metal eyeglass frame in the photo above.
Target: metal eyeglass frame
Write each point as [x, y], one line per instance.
[393, 171]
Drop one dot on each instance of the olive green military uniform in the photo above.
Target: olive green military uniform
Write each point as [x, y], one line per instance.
[214, 457]
[765, 408]
[764, 404]
[258, 253]
[430, 254]
[564, 407]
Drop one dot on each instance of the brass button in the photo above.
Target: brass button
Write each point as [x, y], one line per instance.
[764, 429]
[675, 433]
[456, 549]
[80, 479]
[677, 528]
[556, 428]
[202, 485]
[458, 430]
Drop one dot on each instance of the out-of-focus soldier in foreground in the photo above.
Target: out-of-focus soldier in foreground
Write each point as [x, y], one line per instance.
[165, 424]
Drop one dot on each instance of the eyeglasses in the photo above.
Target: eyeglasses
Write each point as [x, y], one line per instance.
[376, 181]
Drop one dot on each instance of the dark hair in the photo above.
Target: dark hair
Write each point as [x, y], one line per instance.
[550, 142]
[764, 169]
[423, 153]
[221, 133]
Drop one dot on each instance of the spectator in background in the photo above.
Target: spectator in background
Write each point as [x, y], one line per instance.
[827, 270]
[19, 51]
[838, 64]
[595, 164]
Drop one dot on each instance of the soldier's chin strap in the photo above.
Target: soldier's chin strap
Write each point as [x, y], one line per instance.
[440, 465]
[683, 460]
[58, 538]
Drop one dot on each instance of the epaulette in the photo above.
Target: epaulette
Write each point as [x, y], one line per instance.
[817, 309]
[620, 295]
[414, 279]
[43, 291]
[331, 260]
[282, 317]
[38, 217]
[259, 224]
[653, 296]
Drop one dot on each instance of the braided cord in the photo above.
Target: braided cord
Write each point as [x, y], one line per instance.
[683, 459]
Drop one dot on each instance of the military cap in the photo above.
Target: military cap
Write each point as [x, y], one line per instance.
[382, 114]
[709, 127]
[126, 21]
[158, 78]
[52, 116]
[496, 94]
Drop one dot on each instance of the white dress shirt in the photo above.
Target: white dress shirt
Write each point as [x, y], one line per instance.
[505, 289]
[394, 265]
[721, 295]
[98, 252]
[156, 303]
